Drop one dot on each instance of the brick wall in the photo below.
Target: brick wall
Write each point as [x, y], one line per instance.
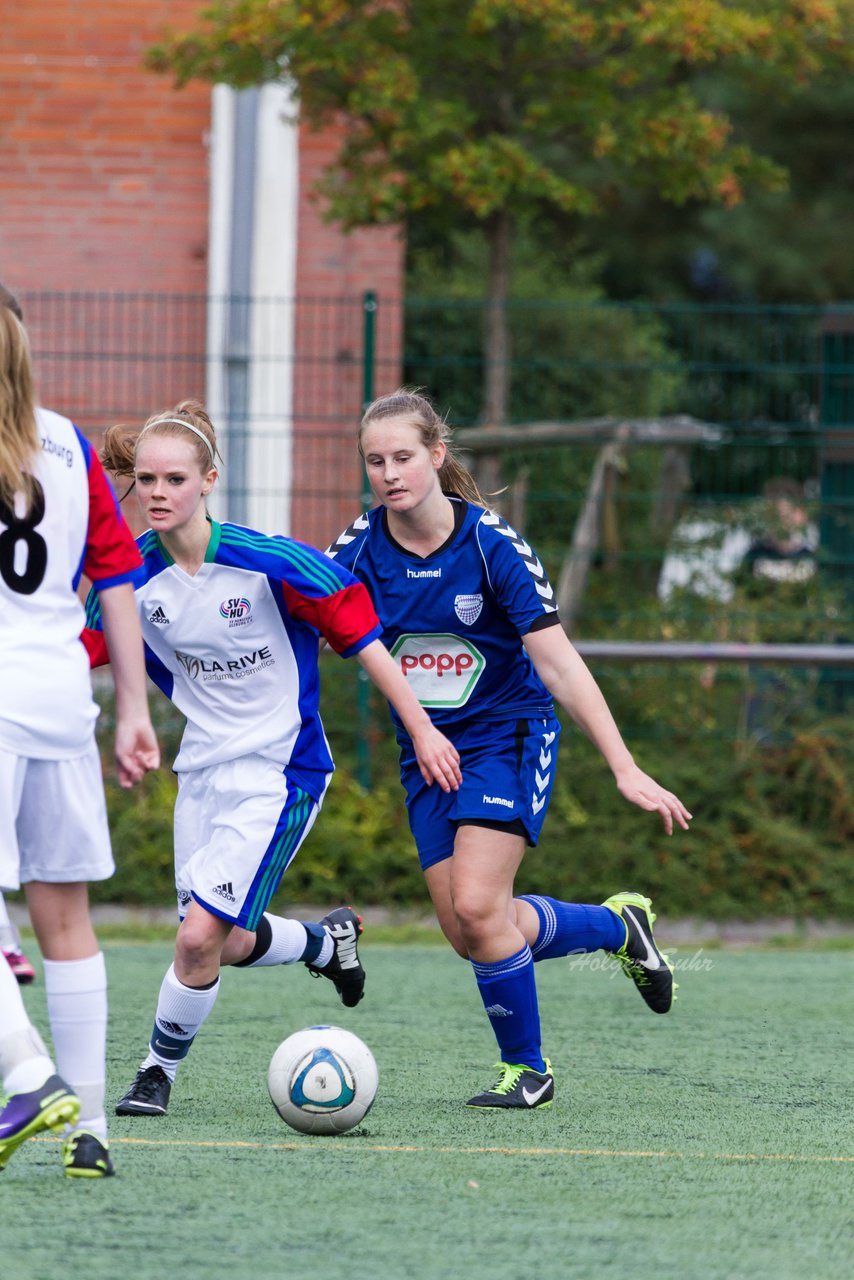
[105, 165]
[105, 187]
[328, 407]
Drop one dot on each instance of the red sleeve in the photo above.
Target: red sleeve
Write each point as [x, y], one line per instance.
[347, 619]
[95, 645]
[111, 554]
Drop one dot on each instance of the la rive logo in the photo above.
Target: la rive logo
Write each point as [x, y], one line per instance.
[237, 611]
[207, 670]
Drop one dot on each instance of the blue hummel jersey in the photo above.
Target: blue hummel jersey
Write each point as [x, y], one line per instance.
[454, 621]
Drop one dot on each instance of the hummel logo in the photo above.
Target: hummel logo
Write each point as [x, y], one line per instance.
[225, 891]
[498, 1011]
[158, 617]
[532, 1096]
[652, 960]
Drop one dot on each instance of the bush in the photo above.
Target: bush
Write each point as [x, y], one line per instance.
[771, 836]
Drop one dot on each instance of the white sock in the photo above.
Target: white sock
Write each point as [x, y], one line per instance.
[77, 1008]
[180, 1013]
[325, 954]
[287, 942]
[24, 1061]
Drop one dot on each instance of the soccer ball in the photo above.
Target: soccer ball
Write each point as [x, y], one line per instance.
[322, 1080]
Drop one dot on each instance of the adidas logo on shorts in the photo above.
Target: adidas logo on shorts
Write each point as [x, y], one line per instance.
[225, 891]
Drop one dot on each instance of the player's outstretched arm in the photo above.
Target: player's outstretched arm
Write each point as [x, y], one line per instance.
[567, 677]
[438, 758]
[136, 747]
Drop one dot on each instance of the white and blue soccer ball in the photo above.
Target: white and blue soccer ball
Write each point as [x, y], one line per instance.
[322, 1080]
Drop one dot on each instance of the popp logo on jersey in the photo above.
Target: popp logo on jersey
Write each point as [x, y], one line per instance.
[442, 669]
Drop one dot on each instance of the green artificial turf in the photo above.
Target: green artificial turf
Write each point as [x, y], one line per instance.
[714, 1142]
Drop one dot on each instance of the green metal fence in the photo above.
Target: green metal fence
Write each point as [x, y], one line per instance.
[676, 525]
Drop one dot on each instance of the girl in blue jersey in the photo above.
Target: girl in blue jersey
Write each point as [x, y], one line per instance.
[470, 617]
[231, 619]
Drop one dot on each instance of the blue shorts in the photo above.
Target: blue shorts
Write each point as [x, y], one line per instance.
[508, 769]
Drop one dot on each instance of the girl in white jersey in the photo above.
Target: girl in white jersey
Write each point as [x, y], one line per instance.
[58, 518]
[231, 620]
[469, 614]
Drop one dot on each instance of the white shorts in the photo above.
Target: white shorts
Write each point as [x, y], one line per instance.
[53, 820]
[238, 826]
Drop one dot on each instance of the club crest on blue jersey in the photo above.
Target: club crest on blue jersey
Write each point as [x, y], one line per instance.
[237, 610]
[467, 608]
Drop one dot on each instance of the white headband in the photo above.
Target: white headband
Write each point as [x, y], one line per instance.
[179, 422]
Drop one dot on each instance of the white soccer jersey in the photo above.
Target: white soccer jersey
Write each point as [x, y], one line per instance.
[235, 646]
[46, 708]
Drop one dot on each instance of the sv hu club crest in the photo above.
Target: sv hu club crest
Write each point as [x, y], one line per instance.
[467, 608]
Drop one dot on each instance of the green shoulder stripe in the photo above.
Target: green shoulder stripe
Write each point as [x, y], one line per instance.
[289, 552]
[148, 542]
[93, 611]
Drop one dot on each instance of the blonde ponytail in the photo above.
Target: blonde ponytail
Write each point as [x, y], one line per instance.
[19, 436]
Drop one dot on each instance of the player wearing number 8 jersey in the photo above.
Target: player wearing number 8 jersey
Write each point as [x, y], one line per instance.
[58, 519]
[231, 620]
[468, 613]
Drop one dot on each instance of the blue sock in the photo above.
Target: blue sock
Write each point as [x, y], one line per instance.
[509, 994]
[569, 928]
[315, 938]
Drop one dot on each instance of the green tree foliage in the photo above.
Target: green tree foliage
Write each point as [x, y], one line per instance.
[573, 355]
[779, 246]
[490, 112]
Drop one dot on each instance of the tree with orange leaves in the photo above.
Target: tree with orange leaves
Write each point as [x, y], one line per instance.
[493, 110]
